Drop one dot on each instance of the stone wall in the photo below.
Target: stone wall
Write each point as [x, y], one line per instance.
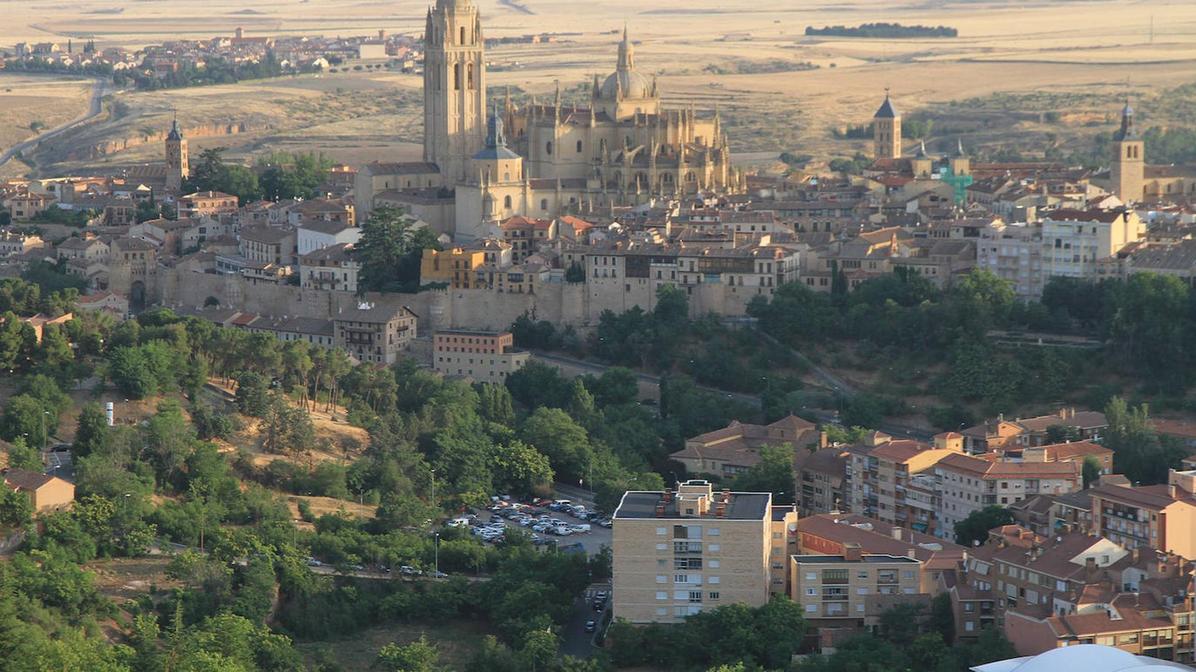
[576, 304]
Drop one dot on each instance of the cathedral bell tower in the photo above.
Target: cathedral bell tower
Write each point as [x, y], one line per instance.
[454, 87]
[886, 131]
[178, 161]
[1128, 172]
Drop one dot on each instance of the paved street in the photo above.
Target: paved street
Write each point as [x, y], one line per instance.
[575, 641]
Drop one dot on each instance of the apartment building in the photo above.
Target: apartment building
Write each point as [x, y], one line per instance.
[374, 334]
[267, 245]
[484, 356]
[736, 448]
[842, 590]
[1161, 517]
[1075, 242]
[971, 483]
[206, 203]
[1141, 603]
[333, 268]
[830, 534]
[460, 266]
[680, 551]
[1002, 434]
[1013, 253]
[882, 473]
[819, 477]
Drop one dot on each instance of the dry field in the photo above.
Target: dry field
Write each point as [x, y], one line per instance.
[706, 52]
[48, 100]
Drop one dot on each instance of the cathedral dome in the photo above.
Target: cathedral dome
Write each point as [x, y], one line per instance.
[631, 83]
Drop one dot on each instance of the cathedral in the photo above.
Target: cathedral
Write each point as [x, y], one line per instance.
[541, 160]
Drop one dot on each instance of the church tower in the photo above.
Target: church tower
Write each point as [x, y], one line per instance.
[1127, 176]
[178, 161]
[886, 130]
[454, 87]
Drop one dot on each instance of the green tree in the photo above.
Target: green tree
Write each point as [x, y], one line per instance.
[1091, 470]
[418, 656]
[390, 250]
[25, 416]
[554, 433]
[773, 473]
[974, 528]
[16, 509]
[91, 435]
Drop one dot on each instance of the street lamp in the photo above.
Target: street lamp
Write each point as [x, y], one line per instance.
[436, 556]
[433, 487]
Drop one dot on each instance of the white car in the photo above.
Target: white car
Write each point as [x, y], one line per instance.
[562, 531]
[582, 528]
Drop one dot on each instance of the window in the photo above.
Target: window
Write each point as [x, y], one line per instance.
[713, 579]
[662, 595]
[811, 608]
[714, 548]
[859, 608]
[544, 204]
[811, 592]
[548, 148]
[714, 564]
[579, 146]
[811, 576]
[661, 611]
[969, 626]
[661, 578]
[661, 531]
[713, 532]
[713, 596]
[695, 596]
[457, 76]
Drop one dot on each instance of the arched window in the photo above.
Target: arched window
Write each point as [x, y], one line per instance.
[506, 202]
[462, 34]
[506, 177]
[548, 148]
[457, 76]
[579, 146]
[602, 145]
[469, 76]
[544, 204]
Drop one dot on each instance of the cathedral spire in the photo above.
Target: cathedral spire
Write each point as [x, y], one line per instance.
[626, 52]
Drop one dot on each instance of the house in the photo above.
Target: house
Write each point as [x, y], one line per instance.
[736, 448]
[46, 492]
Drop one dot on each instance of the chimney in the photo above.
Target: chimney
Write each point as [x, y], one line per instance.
[660, 509]
[1134, 554]
[896, 532]
[852, 552]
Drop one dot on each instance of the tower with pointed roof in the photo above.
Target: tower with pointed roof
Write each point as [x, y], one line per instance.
[886, 130]
[454, 87]
[1127, 174]
[961, 163]
[178, 160]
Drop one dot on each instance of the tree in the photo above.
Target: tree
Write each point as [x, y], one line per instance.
[774, 473]
[520, 469]
[418, 656]
[1137, 450]
[390, 250]
[130, 371]
[253, 394]
[25, 416]
[554, 433]
[16, 509]
[974, 529]
[91, 436]
[1091, 470]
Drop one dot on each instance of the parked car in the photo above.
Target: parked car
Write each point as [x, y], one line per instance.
[438, 575]
[591, 626]
[312, 562]
[581, 528]
[408, 570]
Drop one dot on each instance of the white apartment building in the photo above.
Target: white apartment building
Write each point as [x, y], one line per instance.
[1074, 242]
[1014, 253]
[971, 483]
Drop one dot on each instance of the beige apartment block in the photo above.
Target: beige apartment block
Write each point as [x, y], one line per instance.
[680, 551]
[484, 356]
[839, 590]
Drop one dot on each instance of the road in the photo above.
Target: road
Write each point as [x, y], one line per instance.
[99, 89]
[575, 641]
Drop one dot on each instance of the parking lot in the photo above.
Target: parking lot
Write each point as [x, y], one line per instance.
[545, 522]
